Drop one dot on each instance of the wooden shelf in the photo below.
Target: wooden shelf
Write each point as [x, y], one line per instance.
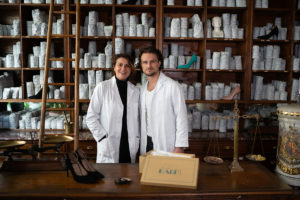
[83, 6]
[184, 39]
[136, 38]
[221, 10]
[267, 101]
[51, 69]
[59, 109]
[86, 69]
[10, 69]
[181, 70]
[135, 8]
[270, 41]
[224, 70]
[9, 4]
[95, 37]
[37, 130]
[61, 84]
[270, 71]
[11, 37]
[272, 11]
[40, 5]
[187, 101]
[224, 40]
[34, 100]
[183, 9]
[34, 37]
[225, 8]
[214, 101]
[84, 101]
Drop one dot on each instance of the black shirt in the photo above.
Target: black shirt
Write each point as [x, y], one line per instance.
[124, 153]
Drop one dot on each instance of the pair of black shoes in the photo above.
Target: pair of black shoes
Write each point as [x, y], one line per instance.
[81, 169]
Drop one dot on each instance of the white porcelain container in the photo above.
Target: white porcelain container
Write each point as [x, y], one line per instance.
[288, 150]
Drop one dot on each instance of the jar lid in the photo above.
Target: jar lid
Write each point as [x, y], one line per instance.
[290, 109]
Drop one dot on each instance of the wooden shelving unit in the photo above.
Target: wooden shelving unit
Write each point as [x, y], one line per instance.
[248, 17]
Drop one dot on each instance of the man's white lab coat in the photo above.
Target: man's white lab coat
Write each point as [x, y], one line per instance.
[169, 124]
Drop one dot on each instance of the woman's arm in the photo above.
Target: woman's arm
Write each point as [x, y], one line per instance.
[93, 114]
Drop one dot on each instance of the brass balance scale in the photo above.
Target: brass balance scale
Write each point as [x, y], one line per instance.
[235, 166]
[213, 146]
[12, 148]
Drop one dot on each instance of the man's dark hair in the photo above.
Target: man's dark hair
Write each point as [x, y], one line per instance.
[154, 51]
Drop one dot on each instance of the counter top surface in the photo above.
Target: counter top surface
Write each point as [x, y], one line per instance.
[214, 181]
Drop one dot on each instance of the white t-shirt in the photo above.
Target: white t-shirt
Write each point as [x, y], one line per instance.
[149, 95]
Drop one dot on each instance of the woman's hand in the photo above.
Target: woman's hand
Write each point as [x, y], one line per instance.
[178, 150]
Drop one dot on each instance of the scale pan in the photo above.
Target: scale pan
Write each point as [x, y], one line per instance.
[255, 157]
[54, 139]
[11, 143]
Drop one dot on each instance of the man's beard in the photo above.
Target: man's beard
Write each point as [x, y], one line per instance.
[151, 73]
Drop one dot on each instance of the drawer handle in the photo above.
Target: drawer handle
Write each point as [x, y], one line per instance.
[89, 148]
[227, 147]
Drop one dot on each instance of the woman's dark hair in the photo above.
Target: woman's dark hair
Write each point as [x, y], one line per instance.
[154, 51]
[130, 63]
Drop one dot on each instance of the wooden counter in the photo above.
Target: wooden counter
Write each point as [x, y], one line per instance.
[215, 182]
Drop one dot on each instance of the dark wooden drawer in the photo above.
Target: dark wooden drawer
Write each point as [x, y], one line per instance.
[200, 148]
[89, 146]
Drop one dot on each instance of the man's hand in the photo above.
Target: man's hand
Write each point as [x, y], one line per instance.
[178, 150]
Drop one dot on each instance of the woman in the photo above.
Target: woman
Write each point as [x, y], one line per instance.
[112, 116]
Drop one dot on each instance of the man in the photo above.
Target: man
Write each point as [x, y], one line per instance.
[164, 124]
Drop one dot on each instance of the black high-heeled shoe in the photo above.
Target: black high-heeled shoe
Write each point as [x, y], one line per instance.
[129, 2]
[87, 165]
[274, 31]
[39, 95]
[78, 172]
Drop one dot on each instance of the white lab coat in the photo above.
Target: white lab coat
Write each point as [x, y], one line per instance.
[104, 119]
[169, 124]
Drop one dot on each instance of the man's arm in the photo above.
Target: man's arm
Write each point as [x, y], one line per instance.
[180, 112]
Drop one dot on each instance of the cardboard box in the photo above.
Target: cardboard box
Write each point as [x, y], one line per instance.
[142, 159]
[170, 171]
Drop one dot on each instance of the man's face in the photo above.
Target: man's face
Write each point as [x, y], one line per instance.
[150, 64]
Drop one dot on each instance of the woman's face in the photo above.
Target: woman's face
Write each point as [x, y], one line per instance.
[122, 69]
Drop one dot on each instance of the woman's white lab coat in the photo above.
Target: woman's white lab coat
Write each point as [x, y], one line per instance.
[104, 119]
[169, 125]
